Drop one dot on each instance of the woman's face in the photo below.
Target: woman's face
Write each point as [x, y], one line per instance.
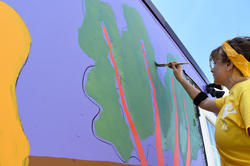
[219, 70]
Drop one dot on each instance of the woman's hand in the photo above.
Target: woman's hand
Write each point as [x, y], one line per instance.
[177, 69]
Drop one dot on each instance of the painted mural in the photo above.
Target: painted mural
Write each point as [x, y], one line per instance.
[86, 90]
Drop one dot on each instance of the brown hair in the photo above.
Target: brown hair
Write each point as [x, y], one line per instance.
[240, 44]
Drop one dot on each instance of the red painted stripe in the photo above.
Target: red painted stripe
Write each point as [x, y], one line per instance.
[188, 147]
[176, 149]
[129, 118]
[160, 157]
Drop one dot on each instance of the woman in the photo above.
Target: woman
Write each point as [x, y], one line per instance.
[231, 68]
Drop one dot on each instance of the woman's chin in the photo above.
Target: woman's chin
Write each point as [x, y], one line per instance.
[216, 82]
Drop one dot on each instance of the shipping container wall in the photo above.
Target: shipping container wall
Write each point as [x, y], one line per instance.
[79, 86]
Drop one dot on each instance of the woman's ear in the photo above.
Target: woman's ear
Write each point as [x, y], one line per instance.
[229, 66]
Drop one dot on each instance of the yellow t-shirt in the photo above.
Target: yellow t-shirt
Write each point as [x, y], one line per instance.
[231, 129]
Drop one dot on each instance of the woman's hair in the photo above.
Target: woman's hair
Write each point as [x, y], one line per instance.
[240, 44]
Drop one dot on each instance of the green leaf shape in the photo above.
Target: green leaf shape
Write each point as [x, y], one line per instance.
[101, 83]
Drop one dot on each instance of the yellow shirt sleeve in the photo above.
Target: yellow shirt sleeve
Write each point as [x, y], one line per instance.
[245, 109]
[220, 102]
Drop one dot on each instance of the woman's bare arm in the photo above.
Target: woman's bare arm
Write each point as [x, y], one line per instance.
[207, 104]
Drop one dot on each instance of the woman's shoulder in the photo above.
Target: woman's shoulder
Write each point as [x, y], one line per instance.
[240, 89]
[245, 85]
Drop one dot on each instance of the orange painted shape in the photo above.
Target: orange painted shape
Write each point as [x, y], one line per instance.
[15, 43]
[176, 149]
[188, 159]
[159, 152]
[129, 118]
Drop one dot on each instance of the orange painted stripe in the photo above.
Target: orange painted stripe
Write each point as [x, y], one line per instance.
[188, 147]
[129, 118]
[160, 157]
[176, 149]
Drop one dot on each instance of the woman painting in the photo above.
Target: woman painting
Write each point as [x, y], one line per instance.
[230, 65]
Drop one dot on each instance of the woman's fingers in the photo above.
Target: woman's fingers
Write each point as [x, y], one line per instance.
[172, 64]
[177, 69]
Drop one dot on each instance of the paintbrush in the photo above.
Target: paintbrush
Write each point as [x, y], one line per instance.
[168, 64]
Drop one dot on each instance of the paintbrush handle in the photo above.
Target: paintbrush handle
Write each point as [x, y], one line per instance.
[182, 63]
[168, 64]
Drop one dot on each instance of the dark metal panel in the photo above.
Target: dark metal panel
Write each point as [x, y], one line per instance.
[169, 30]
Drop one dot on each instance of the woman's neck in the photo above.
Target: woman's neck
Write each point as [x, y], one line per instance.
[234, 77]
[231, 82]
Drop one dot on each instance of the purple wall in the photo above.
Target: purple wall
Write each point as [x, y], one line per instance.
[55, 113]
